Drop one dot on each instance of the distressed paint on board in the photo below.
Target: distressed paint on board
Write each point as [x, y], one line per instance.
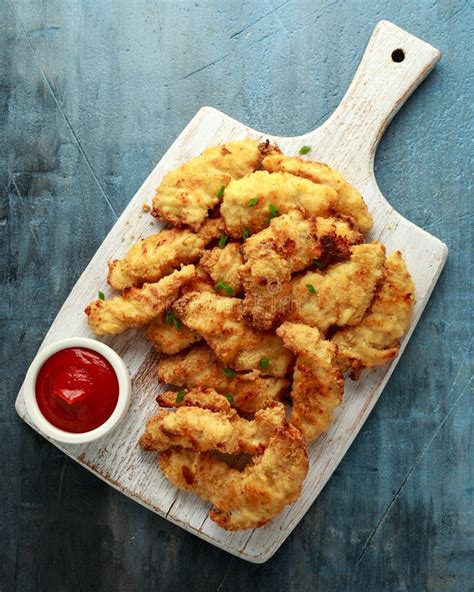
[396, 512]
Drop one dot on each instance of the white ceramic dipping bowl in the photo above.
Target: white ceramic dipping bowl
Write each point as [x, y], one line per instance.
[123, 402]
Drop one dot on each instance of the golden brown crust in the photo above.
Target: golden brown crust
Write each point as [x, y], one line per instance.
[276, 190]
[318, 384]
[350, 202]
[203, 428]
[187, 193]
[219, 320]
[376, 340]
[170, 336]
[247, 499]
[137, 306]
[199, 367]
[223, 265]
[341, 294]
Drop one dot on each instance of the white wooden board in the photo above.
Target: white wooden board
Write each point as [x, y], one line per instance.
[347, 141]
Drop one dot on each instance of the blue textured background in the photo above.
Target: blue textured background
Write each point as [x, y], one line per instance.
[93, 93]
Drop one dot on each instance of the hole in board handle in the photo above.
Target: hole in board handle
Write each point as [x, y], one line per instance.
[398, 55]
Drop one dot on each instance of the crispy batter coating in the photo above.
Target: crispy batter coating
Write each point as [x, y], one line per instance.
[318, 384]
[204, 429]
[350, 202]
[211, 229]
[341, 295]
[187, 193]
[223, 264]
[246, 499]
[167, 338]
[199, 367]
[288, 245]
[137, 306]
[154, 257]
[276, 190]
[219, 320]
[376, 340]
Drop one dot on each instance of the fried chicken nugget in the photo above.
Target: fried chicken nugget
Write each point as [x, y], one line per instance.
[248, 498]
[223, 264]
[251, 202]
[219, 320]
[187, 193]
[318, 384]
[341, 295]
[288, 245]
[169, 336]
[137, 306]
[376, 339]
[204, 429]
[200, 368]
[350, 201]
[154, 257]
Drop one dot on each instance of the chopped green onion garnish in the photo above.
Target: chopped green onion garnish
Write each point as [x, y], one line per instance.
[252, 202]
[223, 241]
[171, 319]
[180, 396]
[220, 193]
[289, 400]
[264, 363]
[230, 398]
[229, 372]
[245, 234]
[224, 286]
[304, 149]
[274, 213]
[317, 263]
[101, 296]
[311, 288]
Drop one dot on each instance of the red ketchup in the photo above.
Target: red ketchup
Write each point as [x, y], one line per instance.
[77, 390]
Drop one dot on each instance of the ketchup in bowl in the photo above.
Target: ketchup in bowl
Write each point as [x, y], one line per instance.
[77, 389]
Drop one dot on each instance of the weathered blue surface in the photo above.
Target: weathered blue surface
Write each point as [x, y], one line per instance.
[93, 93]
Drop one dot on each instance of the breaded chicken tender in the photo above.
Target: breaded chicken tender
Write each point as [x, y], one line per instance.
[341, 294]
[219, 320]
[137, 306]
[288, 245]
[248, 498]
[204, 429]
[251, 202]
[154, 257]
[350, 201]
[200, 368]
[376, 339]
[318, 384]
[187, 193]
[222, 265]
[169, 336]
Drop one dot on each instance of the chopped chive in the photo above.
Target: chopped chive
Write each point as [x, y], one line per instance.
[223, 241]
[229, 372]
[252, 202]
[264, 362]
[274, 213]
[224, 286]
[180, 396]
[317, 263]
[220, 193]
[289, 401]
[246, 234]
[172, 320]
[101, 296]
[230, 398]
[311, 288]
[304, 149]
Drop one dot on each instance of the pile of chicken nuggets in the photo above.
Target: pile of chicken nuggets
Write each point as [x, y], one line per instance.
[261, 296]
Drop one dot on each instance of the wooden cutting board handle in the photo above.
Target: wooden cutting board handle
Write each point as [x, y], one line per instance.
[393, 65]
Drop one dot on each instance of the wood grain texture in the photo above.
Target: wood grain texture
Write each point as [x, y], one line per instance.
[346, 524]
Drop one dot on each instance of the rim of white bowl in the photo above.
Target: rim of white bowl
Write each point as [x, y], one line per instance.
[121, 408]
